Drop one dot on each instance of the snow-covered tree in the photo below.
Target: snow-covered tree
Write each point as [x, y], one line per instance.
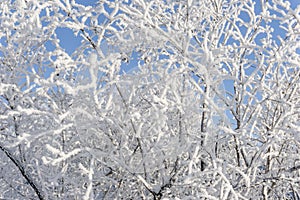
[162, 99]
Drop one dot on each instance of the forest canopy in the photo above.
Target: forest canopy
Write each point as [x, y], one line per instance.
[149, 99]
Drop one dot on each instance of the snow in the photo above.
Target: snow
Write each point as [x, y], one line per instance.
[212, 84]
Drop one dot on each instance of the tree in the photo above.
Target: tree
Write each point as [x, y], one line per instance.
[208, 110]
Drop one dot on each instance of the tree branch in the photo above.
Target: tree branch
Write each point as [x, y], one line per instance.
[23, 172]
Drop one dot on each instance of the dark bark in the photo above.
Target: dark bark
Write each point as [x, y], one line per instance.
[23, 172]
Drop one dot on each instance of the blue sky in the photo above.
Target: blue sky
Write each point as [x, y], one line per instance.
[70, 42]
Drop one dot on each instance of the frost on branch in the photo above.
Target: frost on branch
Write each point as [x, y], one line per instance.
[159, 99]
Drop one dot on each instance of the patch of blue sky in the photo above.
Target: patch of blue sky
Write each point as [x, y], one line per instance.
[88, 2]
[130, 65]
[43, 71]
[49, 45]
[68, 40]
[3, 45]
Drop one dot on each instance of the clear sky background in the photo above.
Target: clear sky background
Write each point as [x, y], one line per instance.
[70, 42]
[67, 38]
